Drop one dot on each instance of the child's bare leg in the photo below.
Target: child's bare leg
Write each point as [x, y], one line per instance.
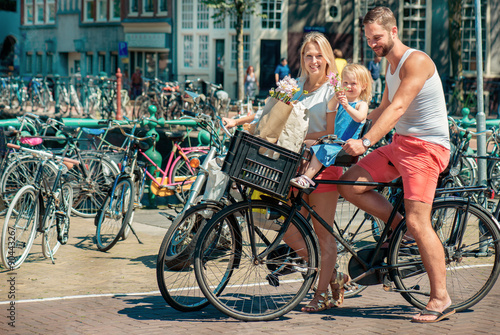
[313, 168]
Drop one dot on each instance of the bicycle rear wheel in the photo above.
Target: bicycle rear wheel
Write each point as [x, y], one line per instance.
[174, 270]
[255, 289]
[472, 260]
[19, 228]
[22, 172]
[57, 226]
[90, 189]
[182, 172]
[114, 215]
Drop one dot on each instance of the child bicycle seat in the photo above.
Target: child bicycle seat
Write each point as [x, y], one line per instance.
[344, 159]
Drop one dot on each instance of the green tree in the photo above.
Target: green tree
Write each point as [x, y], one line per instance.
[238, 8]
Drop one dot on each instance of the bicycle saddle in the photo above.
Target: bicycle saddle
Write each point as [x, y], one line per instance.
[176, 137]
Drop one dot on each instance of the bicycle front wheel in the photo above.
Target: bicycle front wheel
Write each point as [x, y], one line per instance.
[174, 269]
[471, 243]
[19, 228]
[246, 270]
[115, 214]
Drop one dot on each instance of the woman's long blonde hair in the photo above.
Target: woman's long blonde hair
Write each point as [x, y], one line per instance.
[364, 78]
[326, 50]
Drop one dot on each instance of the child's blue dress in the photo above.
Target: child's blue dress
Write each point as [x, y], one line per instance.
[345, 128]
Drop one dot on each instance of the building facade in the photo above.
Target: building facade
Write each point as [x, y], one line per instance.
[180, 40]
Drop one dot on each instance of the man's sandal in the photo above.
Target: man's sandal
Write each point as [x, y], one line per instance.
[302, 182]
[337, 286]
[322, 304]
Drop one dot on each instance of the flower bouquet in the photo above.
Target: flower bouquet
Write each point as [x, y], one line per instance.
[277, 110]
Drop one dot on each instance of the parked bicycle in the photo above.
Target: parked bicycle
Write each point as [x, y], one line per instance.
[38, 208]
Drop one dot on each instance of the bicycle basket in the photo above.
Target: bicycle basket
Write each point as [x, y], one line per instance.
[261, 165]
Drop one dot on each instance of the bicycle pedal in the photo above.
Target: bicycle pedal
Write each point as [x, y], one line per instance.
[138, 205]
[60, 213]
[387, 284]
[167, 215]
[273, 280]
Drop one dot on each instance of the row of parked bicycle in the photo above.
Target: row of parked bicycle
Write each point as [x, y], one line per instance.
[95, 97]
[226, 245]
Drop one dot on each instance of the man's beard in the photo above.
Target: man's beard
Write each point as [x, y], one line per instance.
[385, 49]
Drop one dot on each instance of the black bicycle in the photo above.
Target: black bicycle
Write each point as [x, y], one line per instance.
[247, 270]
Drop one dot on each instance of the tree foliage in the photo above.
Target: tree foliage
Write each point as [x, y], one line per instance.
[238, 8]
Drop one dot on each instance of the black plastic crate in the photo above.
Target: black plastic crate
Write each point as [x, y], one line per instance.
[261, 165]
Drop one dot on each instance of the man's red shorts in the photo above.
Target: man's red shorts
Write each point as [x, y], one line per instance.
[418, 162]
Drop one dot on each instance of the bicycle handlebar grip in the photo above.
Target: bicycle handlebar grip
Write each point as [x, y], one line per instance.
[13, 146]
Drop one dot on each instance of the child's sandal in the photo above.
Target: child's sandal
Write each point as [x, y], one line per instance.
[302, 182]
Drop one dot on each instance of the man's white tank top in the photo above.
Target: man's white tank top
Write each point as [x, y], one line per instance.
[426, 117]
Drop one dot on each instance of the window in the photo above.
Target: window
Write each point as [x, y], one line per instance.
[28, 12]
[148, 7]
[468, 32]
[51, 11]
[114, 63]
[187, 14]
[163, 6]
[220, 24]
[202, 18]
[188, 50]
[102, 63]
[246, 51]
[39, 10]
[203, 61]
[246, 21]
[115, 9]
[88, 10]
[29, 63]
[272, 10]
[134, 7]
[38, 64]
[90, 63]
[50, 63]
[414, 24]
[102, 10]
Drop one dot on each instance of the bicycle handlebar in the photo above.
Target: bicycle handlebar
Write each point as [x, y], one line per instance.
[474, 134]
[43, 153]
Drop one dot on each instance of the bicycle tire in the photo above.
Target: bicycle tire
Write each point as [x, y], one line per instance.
[21, 172]
[494, 176]
[472, 267]
[271, 286]
[21, 218]
[138, 192]
[174, 269]
[138, 105]
[114, 214]
[89, 193]
[57, 226]
[181, 171]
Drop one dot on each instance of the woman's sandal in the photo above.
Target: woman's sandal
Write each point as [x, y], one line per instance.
[302, 182]
[322, 304]
[337, 286]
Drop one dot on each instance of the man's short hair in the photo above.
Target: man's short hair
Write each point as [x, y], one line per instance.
[382, 16]
[282, 60]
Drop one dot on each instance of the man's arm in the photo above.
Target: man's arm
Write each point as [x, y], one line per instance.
[414, 73]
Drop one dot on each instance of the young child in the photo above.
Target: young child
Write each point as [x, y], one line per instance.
[352, 102]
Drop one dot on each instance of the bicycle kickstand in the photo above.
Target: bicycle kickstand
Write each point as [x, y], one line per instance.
[133, 232]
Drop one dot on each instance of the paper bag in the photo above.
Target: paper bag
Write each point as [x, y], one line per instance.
[294, 133]
[273, 120]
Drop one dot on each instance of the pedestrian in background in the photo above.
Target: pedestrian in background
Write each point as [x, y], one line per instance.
[339, 60]
[374, 68]
[136, 83]
[251, 85]
[282, 70]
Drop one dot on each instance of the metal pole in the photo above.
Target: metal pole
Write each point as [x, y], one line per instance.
[480, 117]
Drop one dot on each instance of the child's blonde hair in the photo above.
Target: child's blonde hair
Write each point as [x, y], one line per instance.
[363, 76]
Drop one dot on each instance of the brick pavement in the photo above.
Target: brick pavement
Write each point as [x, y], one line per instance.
[116, 292]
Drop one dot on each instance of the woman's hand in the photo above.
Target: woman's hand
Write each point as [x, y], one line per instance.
[229, 123]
